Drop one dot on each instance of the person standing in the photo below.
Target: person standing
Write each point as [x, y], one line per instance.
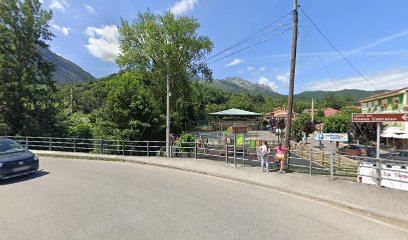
[264, 152]
[280, 156]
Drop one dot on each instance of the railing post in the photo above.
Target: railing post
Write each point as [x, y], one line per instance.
[101, 146]
[26, 143]
[226, 152]
[123, 147]
[235, 150]
[331, 161]
[171, 150]
[74, 144]
[243, 149]
[310, 162]
[379, 177]
[49, 144]
[148, 150]
[195, 150]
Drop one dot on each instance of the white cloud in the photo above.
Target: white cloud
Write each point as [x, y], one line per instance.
[389, 80]
[284, 78]
[59, 5]
[103, 42]
[183, 6]
[89, 8]
[235, 62]
[250, 68]
[240, 71]
[266, 82]
[262, 69]
[64, 30]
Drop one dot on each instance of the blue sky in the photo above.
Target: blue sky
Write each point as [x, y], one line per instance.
[373, 35]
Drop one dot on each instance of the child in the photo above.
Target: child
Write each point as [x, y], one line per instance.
[280, 155]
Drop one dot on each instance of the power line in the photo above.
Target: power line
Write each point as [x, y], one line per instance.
[253, 45]
[251, 36]
[331, 78]
[334, 47]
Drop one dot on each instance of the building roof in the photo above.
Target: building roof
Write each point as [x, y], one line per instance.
[235, 112]
[384, 95]
[328, 112]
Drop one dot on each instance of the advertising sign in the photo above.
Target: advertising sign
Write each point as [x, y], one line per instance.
[335, 137]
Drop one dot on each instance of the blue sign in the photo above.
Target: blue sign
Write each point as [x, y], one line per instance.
[336, 137]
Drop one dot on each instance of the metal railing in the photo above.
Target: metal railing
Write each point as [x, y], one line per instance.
[382, 172]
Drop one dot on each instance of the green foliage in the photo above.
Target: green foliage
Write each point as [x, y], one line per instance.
[129, 112]
[27, 91]
[78, 127]
[186, 142]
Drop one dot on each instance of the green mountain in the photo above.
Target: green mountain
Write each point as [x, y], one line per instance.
[66, 71]
[355, 94]
[239, 85]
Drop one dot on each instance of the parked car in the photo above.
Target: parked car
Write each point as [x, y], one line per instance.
[398, 155]
[15, 160]
[356, 150]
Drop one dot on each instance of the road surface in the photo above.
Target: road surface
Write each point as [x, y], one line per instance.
[74, 199]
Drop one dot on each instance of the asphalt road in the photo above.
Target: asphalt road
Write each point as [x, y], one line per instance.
[73, 199]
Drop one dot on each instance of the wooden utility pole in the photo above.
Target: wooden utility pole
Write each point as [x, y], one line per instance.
[312, 110]
[292, 74]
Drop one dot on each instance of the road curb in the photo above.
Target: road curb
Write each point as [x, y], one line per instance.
[389, 220]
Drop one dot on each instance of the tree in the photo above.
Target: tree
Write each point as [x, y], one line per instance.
[128, 113]
[308, 128]
[364, 132]
[161, 46]
[27, 90]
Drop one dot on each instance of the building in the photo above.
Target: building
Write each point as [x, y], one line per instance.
[280, 113]
[328, 112]
[235, 117]
[390, 102]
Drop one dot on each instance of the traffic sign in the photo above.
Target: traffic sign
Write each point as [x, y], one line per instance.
[335, 137]
[380, 117]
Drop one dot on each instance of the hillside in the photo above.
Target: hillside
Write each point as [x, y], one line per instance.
[239, 85]
[66, 71]
[354, 93]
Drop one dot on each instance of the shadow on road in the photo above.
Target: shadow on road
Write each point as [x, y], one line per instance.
[39, 173]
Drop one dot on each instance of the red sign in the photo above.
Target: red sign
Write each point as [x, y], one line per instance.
[239, 129]
[380, 117]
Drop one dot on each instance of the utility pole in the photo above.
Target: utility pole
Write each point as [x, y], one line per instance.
[168, 154]
[312, 111]
[292, 74]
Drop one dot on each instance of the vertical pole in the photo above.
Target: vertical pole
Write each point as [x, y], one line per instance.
[101, 146]
[331, 161]
[292, 74]
[195, 149]
[243, 148]
[148, 150]
[74, 144]
[168, 116]
[26, 143]
[123, 147]
[379, 177]
[226, 151]
[312, 110]
[49, 144]
[378, 139]
[235, 150]
[310, 162]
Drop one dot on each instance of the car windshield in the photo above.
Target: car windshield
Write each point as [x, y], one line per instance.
[9, 146]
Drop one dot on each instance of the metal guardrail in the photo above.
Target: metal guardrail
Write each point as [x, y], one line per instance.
[299, 160]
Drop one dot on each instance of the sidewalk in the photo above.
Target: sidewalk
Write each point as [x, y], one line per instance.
[387, 205]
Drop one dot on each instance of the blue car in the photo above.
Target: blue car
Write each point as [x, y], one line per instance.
[15, 160]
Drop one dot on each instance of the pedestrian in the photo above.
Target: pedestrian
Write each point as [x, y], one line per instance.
[280, 156]
[264, 152]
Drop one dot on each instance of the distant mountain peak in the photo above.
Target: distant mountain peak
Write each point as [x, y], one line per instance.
[66, 71]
